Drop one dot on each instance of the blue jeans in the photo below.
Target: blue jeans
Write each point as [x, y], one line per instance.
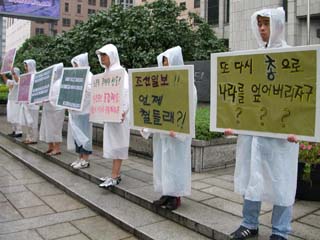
[281, 217]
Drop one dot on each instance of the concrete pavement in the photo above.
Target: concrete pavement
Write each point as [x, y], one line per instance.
[31, 208]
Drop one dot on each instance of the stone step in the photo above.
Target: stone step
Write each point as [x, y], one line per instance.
[208, 221]
[141, 222]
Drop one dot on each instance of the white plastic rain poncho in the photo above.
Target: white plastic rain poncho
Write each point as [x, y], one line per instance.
[172, 155]
[266, 168]
[29, 113]
[53, 116]
[116, 136]
[13, 108]
[79, 127]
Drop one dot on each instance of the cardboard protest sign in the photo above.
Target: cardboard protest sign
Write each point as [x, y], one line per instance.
[8, 61]
[41, 86]
[25, 81]
[107, 97]
[270, 92]
[73, 87]
[162, 99]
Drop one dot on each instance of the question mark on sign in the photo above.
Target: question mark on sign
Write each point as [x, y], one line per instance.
[238, 112]
[287, 114]
[264, 113]
[181, 117]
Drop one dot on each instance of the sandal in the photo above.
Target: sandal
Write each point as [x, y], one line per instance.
[54, 153]
[49, 151]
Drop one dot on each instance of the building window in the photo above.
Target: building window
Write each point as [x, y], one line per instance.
[77, 21]
[39, 31]
[103, 3]
[66, 7]
[213, 11]
[124, 3]
[66, 22]
[79, 9]
[92, 2]
[196, 3]
[226, 11]
[91, 11]
[182, 4]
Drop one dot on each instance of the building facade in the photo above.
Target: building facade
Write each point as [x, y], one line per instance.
[241, 37]
[230, 19]
[72, 12]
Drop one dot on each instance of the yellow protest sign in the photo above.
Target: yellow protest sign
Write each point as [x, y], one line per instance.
[162, 99]
[270, 92]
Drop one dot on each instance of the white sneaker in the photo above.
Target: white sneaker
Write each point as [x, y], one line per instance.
[109, 182]
[81, 164]
[75, 162]
[103, 179]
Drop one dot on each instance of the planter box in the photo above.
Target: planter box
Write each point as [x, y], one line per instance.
[205, 155]
[307, 190]
[3, 108]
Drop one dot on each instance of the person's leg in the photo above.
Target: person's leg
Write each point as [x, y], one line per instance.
[281, 220]
[116, 166]
[84, 159]
[17, 130]
[250, 222]
[250, 214]
[115, 178]
[50, 148]
[56, 148]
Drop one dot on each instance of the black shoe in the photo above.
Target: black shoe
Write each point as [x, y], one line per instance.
[276, 237]
[18, 135]
[173, 203]
[161, 201]
[11, 134]
[244, 233]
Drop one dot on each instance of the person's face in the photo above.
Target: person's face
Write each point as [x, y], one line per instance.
[165, 61]
[25, 67]
[75, 65]
[264, 28]
[105, 60]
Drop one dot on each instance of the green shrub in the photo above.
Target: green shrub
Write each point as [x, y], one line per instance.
[3, 92]
[203, 125]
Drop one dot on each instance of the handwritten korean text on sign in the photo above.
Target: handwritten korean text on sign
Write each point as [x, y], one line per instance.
[106, 97]
[162, 99]
[269, 92]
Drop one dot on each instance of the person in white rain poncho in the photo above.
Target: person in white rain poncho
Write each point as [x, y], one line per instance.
[171, 152]
[13, 108]
[115, 135]
[53, 116]
[266, 168]
[79, 128]
[29, 113]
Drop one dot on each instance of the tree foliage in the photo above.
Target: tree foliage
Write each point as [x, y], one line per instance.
[140, 34]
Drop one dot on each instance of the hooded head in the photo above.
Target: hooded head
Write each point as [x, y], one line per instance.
[173, 55]
[80, 60]
[30, 65]
[58, 71]
[276, 18]
[112, 53]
